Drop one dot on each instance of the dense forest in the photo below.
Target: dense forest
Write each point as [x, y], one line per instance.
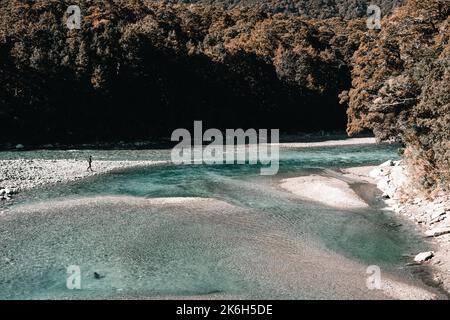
[401, 89]
[318, 9]
[139, 69]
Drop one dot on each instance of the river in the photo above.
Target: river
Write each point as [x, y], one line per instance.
[228, 232]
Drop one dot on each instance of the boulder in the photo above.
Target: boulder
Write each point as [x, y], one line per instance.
[385, 196]
[424, 256]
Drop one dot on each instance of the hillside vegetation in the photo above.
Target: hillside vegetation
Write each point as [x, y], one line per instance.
[318, 9]
[139, 69]
[401, 89]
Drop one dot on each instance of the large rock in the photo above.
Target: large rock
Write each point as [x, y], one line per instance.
[424, 256]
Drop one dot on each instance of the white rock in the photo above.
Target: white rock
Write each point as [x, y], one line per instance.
[375, 173]
[438, 219]
[388, 163]
[20, 146]
[399, 176]
[436, 232]
[424, 256]
[437, 213]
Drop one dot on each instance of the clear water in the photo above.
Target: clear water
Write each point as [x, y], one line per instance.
[257, 241]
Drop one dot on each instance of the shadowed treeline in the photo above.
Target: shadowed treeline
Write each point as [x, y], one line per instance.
[139, 69]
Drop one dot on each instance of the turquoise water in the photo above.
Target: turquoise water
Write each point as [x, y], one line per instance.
[254, 241]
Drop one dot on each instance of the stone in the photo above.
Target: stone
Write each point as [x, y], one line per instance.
[437, 213]
[438, 219]
[436, 232]
[424, 256]
[375, 173]
[20, 146]
[388, 163]
[397, 163]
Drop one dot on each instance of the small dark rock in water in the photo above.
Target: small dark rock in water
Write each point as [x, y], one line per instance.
[98, 276]
[394, 225]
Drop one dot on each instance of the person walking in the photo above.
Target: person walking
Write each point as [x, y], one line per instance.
[90, 164]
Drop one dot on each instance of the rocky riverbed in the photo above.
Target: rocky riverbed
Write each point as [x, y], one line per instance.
[431, 214]
[19, 175]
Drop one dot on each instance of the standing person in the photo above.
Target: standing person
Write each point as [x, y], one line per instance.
[90, 164]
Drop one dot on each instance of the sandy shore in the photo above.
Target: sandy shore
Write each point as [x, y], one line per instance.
[20, 175]
[326, 190]
[329, 143]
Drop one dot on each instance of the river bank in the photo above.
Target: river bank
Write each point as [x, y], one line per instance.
[18, 175]
[337, 189]
[25, 174]
[430, 214]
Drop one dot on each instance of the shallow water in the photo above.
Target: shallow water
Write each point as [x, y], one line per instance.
[257, 241]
